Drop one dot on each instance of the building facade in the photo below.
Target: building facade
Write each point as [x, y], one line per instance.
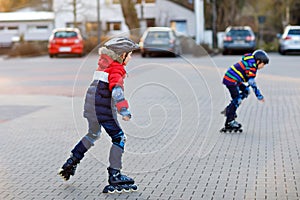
[27, 26]
[150, 13]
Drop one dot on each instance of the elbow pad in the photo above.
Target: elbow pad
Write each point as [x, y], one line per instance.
[252, 82]
[118, 97]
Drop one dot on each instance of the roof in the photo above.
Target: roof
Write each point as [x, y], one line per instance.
[66, 29]
[26, 16]
[159, 28]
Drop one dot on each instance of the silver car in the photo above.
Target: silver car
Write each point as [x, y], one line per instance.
[160, 40]
[289, 41]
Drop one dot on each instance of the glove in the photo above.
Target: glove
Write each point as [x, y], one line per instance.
[126, 115]
[260, 97]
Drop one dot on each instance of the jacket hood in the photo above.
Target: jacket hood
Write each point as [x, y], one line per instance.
[107, 57]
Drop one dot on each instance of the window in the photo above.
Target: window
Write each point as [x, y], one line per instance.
[65, 34]
[145, 1]
[12, 28]
[294, 32]
[150, 22]
[179, 26]
[91, 28]
[71, 24]
[113, 26]
[38, 28]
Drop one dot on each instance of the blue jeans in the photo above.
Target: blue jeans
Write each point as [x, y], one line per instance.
[237, 93]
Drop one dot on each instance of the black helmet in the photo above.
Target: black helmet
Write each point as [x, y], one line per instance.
[121, 45]
[261, 55]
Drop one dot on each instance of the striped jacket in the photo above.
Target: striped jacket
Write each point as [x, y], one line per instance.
[241, 71]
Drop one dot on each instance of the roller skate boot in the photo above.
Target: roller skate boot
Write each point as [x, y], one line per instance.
[232, 126]
[224, 112]
[69, 168]
[119, 182]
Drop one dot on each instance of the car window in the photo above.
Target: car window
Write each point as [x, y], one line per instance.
[65, 34]
[239, 33]
[158, 35]
[294, 32]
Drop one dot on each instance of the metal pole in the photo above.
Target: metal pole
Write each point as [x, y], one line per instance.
[199, 15]
[98, 23]
[214, 24]
[75, 13]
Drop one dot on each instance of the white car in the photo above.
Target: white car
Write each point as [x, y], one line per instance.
[289, 41]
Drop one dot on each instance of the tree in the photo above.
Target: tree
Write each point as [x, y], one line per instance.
[130, 16]
[11, 6]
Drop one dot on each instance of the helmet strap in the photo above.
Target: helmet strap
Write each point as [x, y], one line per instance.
[126, 54]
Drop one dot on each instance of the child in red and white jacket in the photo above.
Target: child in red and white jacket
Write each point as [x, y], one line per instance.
[104, 99]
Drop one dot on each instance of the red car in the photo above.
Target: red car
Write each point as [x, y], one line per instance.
[65, 41]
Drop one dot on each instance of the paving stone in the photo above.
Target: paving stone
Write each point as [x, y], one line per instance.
[178, 157]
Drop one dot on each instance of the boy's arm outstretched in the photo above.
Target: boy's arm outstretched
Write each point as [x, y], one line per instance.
[257, 92]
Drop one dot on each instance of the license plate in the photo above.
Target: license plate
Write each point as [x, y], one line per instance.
[296, 42]
[65, 49]
[157, 42]
[239, 42]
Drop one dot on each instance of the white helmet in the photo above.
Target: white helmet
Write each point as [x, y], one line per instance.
[121, 45]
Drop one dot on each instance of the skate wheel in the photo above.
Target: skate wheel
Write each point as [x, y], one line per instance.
[241, 130]
[109, 189]
[119, 189]
[63, 174]
[133, 188]
[126, 188]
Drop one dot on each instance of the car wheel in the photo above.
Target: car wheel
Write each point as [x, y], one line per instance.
[51, 55]
[178, 52]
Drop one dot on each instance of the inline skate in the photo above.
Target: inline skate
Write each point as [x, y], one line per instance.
[232, 126]
[119, 182]
[224, 112]
[69, 168]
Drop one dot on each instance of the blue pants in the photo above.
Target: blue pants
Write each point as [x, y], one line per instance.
[94, 131]
[237, 93]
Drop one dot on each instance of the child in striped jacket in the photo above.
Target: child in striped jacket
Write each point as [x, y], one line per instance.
[234, 79]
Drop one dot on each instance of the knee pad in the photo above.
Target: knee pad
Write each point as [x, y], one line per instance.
[92, 137]
[237, 101]
[245, 93]
[119, 139]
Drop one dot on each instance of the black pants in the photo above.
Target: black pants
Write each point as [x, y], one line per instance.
[237, 93]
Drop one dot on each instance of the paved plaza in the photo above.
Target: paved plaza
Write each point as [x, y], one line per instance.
[174, 149]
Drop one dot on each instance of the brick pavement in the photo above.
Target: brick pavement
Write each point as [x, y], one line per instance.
[174, 149]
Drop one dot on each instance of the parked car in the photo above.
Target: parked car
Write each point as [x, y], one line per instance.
[289, 41]
[160, 40]
[65, 41]
[238, 39]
